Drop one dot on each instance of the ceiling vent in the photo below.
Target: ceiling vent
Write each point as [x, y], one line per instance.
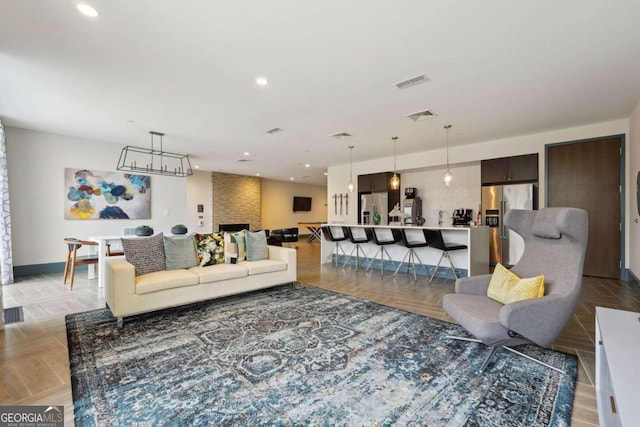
[274, 130]
[412, 81]
[421, 115]
[341, 135]
[244, 160]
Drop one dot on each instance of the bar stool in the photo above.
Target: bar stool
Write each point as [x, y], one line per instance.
[383, 239]
[357, 236]
[434, 237]
[334, 235]
[408, 239]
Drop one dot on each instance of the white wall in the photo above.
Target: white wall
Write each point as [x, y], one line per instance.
[633, 168]
[36, 164]
[199, 192]
[277, 204]
[525, 144]
[464, 191]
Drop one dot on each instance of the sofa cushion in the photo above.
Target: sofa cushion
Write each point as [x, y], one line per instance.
[180, 252]
[210, 248]
[145, 253]
[166, 279]
[218, 272]
[256, 245]
[264, 266]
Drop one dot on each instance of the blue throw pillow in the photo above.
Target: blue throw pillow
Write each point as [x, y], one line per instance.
[256, 245]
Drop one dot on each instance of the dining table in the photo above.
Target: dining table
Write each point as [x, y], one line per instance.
[314, 228]
[102, 254]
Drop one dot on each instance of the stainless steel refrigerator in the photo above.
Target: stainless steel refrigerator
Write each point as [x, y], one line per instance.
[506, 246]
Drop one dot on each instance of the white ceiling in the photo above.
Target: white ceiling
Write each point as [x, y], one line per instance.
[497, 68]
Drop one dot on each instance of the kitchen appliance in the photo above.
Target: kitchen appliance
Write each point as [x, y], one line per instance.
[412, 209]
[370, 203]
[410, 192]
[461, 216]
[505, 246]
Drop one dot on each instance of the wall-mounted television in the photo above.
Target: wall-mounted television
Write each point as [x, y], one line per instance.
[301, 204]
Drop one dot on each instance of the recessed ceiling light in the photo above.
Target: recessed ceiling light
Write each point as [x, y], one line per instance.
[196, 167]
[87, 10]
[326, 173]
[291, 178]
[246, 153]
[307, 165]
[262, 81]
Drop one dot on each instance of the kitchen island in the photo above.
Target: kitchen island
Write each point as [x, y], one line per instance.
[472, 261]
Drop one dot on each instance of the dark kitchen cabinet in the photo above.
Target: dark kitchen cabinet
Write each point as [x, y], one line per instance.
[510, 169]
[375, 182]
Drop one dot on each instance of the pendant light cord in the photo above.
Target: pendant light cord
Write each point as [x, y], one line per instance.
[395, 140]
[447, 127]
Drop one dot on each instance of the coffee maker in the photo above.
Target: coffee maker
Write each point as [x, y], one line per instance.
[412, 207]
[461, 216]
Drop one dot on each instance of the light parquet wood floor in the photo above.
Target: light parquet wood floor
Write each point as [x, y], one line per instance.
[34, 359]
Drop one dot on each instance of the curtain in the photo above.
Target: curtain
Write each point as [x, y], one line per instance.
[6, 257]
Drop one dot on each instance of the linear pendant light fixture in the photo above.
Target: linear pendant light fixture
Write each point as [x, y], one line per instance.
[395, 181]
[152, 161]
[351, 185]
[448, 177]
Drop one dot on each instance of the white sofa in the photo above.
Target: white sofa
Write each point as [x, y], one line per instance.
[127, 294]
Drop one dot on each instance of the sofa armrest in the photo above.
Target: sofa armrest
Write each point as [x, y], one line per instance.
[288, 255]
[473, 285]
[119, 282]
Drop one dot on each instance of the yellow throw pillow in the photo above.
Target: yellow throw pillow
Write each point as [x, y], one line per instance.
[506, 287]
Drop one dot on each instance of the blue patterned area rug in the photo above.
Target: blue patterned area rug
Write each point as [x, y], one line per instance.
[299, 355]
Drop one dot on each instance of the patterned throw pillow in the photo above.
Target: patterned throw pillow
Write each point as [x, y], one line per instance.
[234, 247]
[145, 253]
[180, 252]
[256, 245]
[506, 287]
[210, 248]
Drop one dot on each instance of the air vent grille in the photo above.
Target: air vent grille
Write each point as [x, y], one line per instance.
[341, 135]
[421, 115]
[411, 82]
[274, 130]
[244, 160]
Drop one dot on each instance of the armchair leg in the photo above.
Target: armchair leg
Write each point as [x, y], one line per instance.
[535, 360]
[493, 349]
[487, 359]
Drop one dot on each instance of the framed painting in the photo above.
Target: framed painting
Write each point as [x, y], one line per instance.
[93, 194]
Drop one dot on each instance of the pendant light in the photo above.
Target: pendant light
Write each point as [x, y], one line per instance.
[154, 161]
[351, 185]
[395, 181]
[447, 176]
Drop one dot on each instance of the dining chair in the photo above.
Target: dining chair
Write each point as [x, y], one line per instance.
[74, 260]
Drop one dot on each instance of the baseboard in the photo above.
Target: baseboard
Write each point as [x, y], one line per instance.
[630, 277]
[30, 270]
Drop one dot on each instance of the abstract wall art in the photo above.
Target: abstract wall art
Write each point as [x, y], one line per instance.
[93, 194]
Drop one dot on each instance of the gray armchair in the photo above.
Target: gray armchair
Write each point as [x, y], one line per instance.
[555, 244]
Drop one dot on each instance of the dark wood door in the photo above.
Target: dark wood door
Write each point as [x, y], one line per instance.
[587, 175]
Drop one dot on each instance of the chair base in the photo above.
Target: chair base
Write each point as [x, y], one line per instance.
[336, 249]
[382, 251]
[357, 249]
[493, 349]
[411, 253]
[445, 254]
